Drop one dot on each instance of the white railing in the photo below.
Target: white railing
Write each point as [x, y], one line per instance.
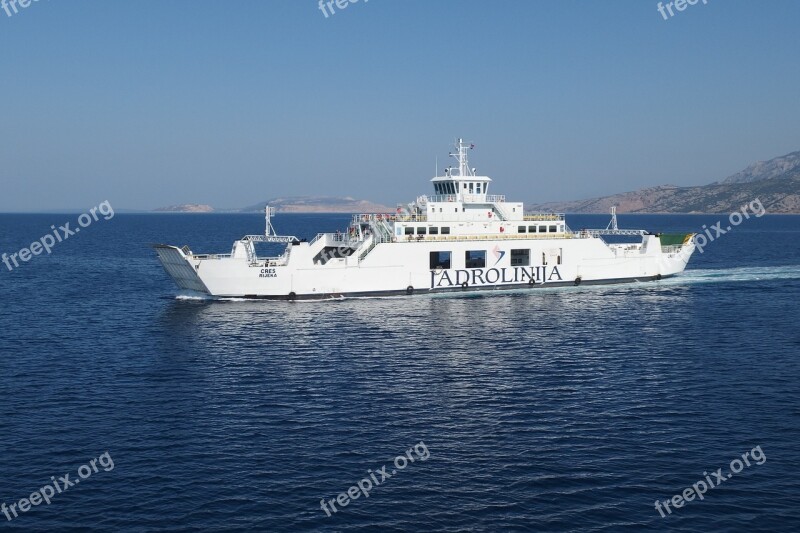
[534, 217]
[442, 198]
[470, 198]
[340, 237]
[672, 249]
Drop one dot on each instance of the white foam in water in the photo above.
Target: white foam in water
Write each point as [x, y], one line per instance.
[735, 274]
[194, 296]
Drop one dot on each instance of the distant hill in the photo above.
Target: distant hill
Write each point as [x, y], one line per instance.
[186, 208]
[292, 204]
[765, 170]
[775, 182]
[320, 204]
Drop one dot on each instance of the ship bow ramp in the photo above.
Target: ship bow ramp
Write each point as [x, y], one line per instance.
[177, 265]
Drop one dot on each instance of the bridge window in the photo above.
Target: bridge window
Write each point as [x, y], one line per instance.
[531, 229]
[409, 230]
[477, 188]
[521, 229]
[440, 260]
[475, 259]
[520, 258]
[553, 229]
[542, 229]
[445, 230]
[422, 231]
[433, 231]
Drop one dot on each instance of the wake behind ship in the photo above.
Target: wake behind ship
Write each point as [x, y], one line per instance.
[461, 238]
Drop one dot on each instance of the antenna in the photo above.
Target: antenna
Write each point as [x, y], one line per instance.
[462, 158]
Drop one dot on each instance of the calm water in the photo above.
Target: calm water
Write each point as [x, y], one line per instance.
[560, 410]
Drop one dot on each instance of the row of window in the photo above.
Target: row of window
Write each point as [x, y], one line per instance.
[477, 259]
[541, 229]
[445, 230]
[449, 187]
[432, 230]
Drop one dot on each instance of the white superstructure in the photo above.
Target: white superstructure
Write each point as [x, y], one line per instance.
[460, 238]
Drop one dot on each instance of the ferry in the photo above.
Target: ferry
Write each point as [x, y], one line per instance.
[460, 238]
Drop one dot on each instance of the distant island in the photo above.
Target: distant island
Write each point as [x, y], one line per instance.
[775, 182]
[186, 208]
[292, 204]
[320, 204]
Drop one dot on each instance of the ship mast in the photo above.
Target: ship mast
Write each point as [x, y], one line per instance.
[463, 160]
[269, 212]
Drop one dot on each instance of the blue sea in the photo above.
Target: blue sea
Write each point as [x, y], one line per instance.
[572, 409]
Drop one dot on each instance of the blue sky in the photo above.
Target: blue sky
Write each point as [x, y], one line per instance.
[152, 103]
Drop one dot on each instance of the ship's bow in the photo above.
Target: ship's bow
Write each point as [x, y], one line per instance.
[176, 263]
[676, 250]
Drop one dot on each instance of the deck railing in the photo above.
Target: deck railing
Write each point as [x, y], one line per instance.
[493, 237]
[543, 216]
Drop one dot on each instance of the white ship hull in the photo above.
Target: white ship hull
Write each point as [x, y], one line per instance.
[403, 268]
[461, 239]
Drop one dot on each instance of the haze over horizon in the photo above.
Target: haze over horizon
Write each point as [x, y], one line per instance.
[154, 104]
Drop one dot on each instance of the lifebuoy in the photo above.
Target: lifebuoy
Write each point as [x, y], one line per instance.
[409, 290]
[502, 229]
[490, 214]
